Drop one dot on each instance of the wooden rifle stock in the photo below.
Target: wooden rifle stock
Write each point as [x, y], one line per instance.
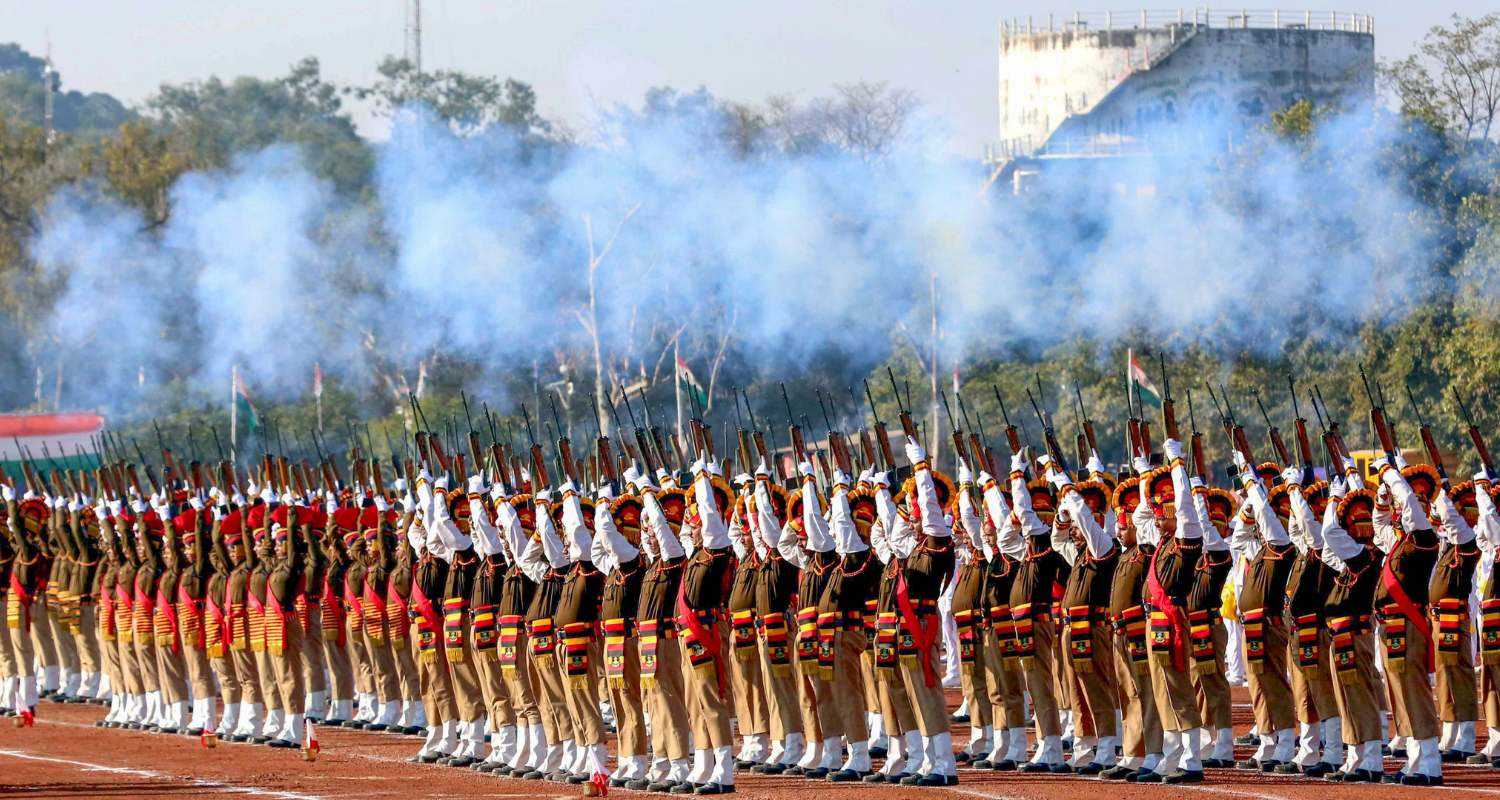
[1432, 451]
[539, 468]
[1169, 419]
[1383, 431]
[1484, 452]
[1200, 463]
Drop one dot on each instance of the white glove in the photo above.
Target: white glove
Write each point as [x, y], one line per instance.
[252, 490]
[408, 503]
[195, 503]
[545, 495]
[441, 483]
[1379, 463]
[1142, 465]
[914, 452]
[839, 478]
[1482, 475]
[741, 479]
[115, 508]
[631, 474]
[495, 493]
[137, 506]
[805, 469]
[101, 510]
[1059, 478]
[1239, 460]
[1291, 476]
[714, 468]
[476, 484]
[1400, 460]
[762, 471]
[880, 479]
[864, 477]
[1348, 464]
[964, 474]
[399, 487]
[73, 505]
[642, 482]
[287, 499]
[697, 467]
[565, 488]
[1018, 461]
[1094, 464]
[238, 499]
[662, 476]
[1172, 449]
[1195, 482]
[985, 478]
[605, 493]
[331, 506]
[7, 492]
[1044, 461]
[217, 512]
[1336, 488]
[380, 504]
[266, 495]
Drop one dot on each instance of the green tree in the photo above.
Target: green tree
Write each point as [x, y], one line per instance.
[467, 103]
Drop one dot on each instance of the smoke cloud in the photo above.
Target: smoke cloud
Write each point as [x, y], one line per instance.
[480, 248]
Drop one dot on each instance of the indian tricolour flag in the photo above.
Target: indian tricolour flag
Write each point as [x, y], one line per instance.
[69, 439]
[689, 383]
[1139, 382]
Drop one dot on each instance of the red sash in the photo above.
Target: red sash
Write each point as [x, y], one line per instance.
[1162, 602]
[923, 632]
[429, 623]
[688, 619]
[1414, 616]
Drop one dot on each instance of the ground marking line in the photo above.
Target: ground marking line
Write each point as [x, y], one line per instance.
[145, 773]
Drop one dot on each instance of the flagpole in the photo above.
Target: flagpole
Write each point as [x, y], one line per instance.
[318, 392]
[677, 382]
[234, 382]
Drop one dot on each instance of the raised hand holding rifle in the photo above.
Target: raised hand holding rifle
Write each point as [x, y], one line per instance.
[540, 479]
[960, 446]
[642, 440]
[1304, 443]
[908, 427]
[1200, 463]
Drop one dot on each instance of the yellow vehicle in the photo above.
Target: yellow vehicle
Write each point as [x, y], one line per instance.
[1363, 458]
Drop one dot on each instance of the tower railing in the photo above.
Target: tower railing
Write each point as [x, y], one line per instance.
[1274, 19]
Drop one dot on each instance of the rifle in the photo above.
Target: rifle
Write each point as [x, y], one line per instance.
[976, 440]
[538, 458]
[1168, 407]
[794, 432]
[150, 475]
[642, 440]
[1088, 424]
[1425, 433]
[882, 439]
[758, 436]
[960, 447]
[1241, 440]
[837, 444]
[1049, 435]
[564, 447]
[1012, 436]
[1474, 435]
[474, 450]
[1378, 421]
[169, 466]
[908, 427]
[1304, 442]
[1283, 455]
[1200, 464]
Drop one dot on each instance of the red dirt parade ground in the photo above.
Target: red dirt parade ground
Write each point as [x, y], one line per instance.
[65, 756]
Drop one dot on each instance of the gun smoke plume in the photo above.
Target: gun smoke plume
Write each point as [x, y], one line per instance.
[480, 248]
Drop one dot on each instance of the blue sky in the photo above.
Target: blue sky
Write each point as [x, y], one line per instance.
[582, 55]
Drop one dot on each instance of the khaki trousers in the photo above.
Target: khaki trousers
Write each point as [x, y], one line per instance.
[1039, 670]
[783, 698]
[1456, 692]
[1270, 687]
[228, 682]
[492, 687]
[23, 650]
[896, 714]
[287, 669]
[340, 669]
[404, 663]
[973, 681]
[1212, 687]
[667, 701]
[519, 685]
[748, 685]
[357, 649]
[1354, 693]
[265, 671]
[1312, 687]
[86, 639]
[626, 696]
[927, 701]
[1172, 691]
[245, 672]
[547, 677]
[708, 708]
[464, 678]
[432, 679]
[848, 684]
[1413, 709]
[582, 695]
[1095, 693]
[314, 668]
[1142, 725]
[1006, 686]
